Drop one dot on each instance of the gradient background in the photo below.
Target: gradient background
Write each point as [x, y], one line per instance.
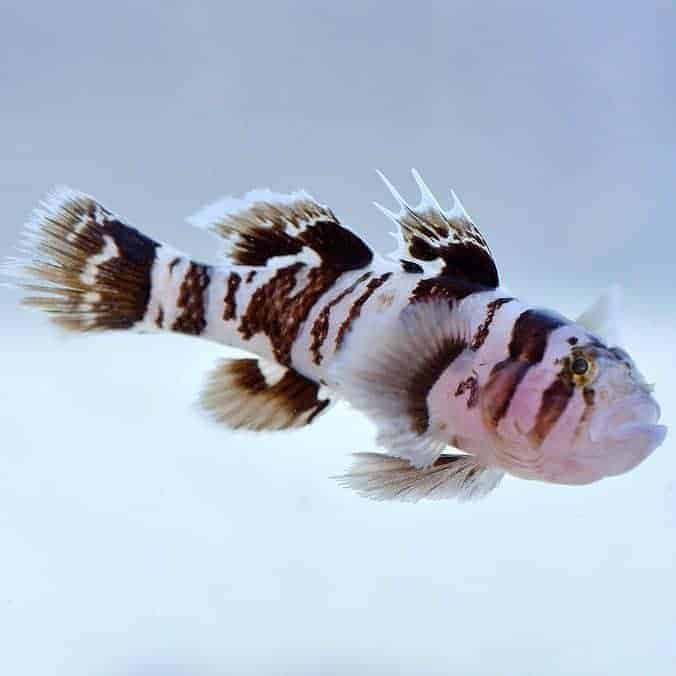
[137, 538]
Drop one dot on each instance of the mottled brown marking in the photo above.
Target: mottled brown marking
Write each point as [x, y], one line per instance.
[554, 402]
[472, 384]
[411, 267]
[530, 334]
[159, 320]
[268, 229]
[262, 243]
[446, 459]
[589, 396]
[278, 314]
[527, 346]
[429, 235]
[431, 223]
[337, 246]
[129, 274]
[422, 250]
[273, 310]
[500, 388]
[191, 316]
[422, 381]
[320, 327]
[230, 300]
[484, 328]
[322, 404]
[386, 299]
[445, 288]
[355, 310]
[463, 260]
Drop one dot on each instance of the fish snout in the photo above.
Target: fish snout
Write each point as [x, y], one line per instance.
[617, 420]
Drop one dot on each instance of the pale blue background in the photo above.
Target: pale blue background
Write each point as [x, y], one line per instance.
[136, 538]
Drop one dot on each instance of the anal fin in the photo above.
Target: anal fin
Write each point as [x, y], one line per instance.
[255, 395]
[383, 477]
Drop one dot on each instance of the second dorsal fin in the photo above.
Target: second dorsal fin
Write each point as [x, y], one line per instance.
[270, 229]
[444, 242]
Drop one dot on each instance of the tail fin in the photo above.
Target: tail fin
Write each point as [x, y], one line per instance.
[84, 266]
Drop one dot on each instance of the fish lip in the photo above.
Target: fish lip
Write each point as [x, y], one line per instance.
[638, 408]
[628, 429]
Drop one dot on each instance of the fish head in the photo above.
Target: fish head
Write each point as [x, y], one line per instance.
[583, 412]
[618, 427]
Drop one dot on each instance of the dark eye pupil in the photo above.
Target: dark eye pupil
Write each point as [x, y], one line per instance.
[580, 366]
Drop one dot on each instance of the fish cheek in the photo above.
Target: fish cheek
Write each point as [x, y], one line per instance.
[564, 431]
[499, 391]
[532, 400]
[553, 403]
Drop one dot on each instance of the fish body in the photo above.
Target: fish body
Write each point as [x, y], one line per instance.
[464, 382]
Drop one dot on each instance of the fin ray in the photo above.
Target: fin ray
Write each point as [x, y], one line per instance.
[389, 380]
[383, 477]
[83, 265]
[270, 229]
[443, 242]
[251, 394]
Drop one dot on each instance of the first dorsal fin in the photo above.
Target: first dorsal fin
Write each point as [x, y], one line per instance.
[444, 242]
[266, 228]
[256, 395]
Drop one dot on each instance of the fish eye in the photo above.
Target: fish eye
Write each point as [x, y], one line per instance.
[580, 366]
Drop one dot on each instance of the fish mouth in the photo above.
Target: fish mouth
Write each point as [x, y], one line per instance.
[625, 434]
[635, 431]
[636, 413]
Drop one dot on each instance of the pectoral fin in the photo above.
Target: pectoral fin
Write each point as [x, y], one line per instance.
[390, 379]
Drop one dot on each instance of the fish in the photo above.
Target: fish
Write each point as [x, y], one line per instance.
[464, 382]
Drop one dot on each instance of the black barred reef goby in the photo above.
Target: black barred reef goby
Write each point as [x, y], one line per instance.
[464, 382]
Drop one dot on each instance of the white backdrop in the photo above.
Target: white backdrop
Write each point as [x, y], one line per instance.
[137, 537]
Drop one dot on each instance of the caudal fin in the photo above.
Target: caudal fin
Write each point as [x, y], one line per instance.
[83, 265]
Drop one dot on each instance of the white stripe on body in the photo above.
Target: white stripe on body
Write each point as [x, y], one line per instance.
[166, 280]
